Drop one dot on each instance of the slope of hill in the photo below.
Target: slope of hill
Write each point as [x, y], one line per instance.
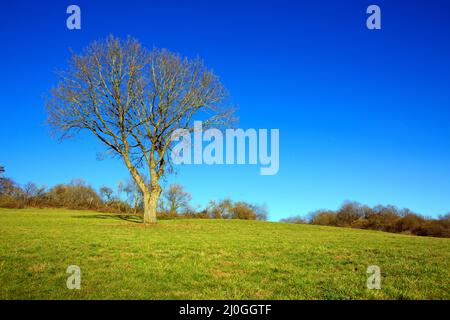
[210, 259]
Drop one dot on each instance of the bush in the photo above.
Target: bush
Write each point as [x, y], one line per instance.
[242, 210]
[324, 218]
[11, 195]
[227, 209]
[7, 201]
[349, 213]
[433, 228]
[75, 195]
[410, 223]
[382, 218]
[294, 219]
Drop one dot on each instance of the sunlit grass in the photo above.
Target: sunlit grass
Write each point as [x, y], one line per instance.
[210, 259]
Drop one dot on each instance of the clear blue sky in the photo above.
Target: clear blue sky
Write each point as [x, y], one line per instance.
[363, 115]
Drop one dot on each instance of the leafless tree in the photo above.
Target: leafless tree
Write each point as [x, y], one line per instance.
[177, 199]
[106, 193]
[133, 100]
[134, 194]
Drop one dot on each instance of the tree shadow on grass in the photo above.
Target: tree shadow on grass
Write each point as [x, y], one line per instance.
[126, 217]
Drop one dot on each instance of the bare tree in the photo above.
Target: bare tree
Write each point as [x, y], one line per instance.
[134, 194]
[177, 199]
[221, 209]
[106, 193]
[133, 100]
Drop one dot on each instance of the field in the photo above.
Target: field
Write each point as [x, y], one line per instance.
[210, 259]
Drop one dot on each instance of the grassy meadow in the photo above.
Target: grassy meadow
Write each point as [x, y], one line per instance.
[210, 259]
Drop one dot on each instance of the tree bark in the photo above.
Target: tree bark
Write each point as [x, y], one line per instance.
[150, 204]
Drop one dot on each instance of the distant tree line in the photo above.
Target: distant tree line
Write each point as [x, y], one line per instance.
[382, 218]
[175, 203]
[127, 198]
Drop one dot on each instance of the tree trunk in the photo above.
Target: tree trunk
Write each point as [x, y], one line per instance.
[150, 205]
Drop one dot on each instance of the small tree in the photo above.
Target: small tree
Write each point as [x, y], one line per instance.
[220, 210]
[243, 210]
[176, 199]
[106, 193]
[133, 100]
[134, 194]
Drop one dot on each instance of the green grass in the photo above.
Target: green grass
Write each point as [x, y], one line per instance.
[210, 259]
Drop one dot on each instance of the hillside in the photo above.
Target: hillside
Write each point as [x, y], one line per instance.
[210, 259]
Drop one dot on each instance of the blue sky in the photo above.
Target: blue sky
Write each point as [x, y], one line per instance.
[363, 115]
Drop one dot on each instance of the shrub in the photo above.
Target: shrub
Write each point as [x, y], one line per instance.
[75, 195]
[242, 210]
[382, 218]
[410, 223]
[349, 213]
[294, 219]
[433, 228]
[324, 218]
